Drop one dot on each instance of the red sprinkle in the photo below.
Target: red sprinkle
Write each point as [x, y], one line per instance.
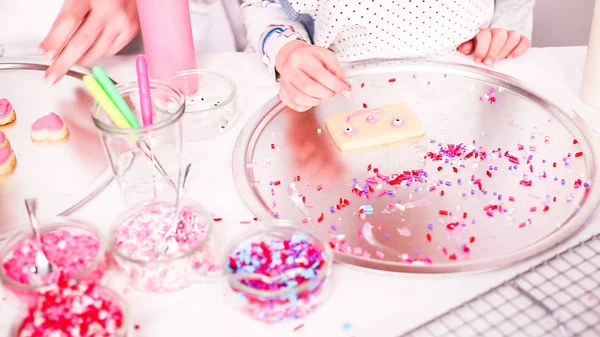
[362, 85]
[369, 167]
[488, 173]
[578, 154]
[428, 237]
[364, 105]
[273, 146]
[299, 327]
[137, 327]
[276, 183]
[443, 212]
[575, 141]
[546, 208]
[472, 239]
[321, 217]
[217, 219]
[392, 80]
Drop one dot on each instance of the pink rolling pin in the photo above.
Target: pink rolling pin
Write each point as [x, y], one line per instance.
[167, 34]
[144, 85]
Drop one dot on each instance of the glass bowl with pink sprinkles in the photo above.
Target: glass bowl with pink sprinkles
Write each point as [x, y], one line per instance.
[136, 234]
[75, 308]
[278, 273]
[74, 248]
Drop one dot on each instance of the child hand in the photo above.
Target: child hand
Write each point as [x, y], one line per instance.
[494, 44]
[308, 74]
[86, 30]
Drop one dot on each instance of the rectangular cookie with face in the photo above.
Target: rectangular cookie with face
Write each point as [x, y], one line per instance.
[372, 127]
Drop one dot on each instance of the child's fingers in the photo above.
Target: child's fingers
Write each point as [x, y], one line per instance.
[66, 23]
[332, 64]
[521, 48]
[321, 74]
[296, 99]
[310, 86]
[512, 41]
[499, 38]
[81, 41]
[466, 47]
[482, 44]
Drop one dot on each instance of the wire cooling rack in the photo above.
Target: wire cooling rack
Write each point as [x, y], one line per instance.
[559, 297]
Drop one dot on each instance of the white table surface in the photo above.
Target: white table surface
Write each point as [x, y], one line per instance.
[363, 302]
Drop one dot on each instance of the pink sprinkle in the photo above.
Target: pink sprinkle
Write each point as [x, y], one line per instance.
[319, 188]
[379, 255]
[533, 209]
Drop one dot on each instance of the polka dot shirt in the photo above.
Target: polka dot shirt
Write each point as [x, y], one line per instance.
[372, 29]
[358, 30]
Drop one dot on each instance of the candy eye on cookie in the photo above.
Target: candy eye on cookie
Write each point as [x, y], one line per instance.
[397, 122]
[349, 131]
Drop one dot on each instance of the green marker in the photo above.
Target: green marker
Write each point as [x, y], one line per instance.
[115, 96]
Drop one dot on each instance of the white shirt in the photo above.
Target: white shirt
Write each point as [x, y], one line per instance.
[359, 30]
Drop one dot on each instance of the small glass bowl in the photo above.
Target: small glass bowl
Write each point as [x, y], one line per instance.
[291, 303]
[108, 293]
[151, 273]
[69, 259]
[210, 100]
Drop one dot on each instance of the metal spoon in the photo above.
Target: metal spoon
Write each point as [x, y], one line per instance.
[168, 241]
[42, 265]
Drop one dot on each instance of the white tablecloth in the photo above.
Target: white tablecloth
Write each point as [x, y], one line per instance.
[363, 302]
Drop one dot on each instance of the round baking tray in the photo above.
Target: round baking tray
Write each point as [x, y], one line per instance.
[63, 176]
[285, 165]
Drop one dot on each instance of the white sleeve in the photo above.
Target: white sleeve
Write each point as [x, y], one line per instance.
[514, 15]
[269, 29]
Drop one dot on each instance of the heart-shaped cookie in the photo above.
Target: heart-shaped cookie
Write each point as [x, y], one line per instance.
[7, 113]
[49, 128]
[8, 160]
[4, 143]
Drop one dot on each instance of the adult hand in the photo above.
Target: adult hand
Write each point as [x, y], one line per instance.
[308, 74]
[492, 45]
[85, 31]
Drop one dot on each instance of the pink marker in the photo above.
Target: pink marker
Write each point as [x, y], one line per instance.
[144, 84]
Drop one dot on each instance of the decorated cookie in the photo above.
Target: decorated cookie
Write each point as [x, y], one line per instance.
[7, 113]
[374, 127]
[8, 161]
[4, 143]
[50, 128]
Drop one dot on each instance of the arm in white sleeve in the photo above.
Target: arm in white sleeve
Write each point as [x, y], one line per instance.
[269, 29]
[514, 15]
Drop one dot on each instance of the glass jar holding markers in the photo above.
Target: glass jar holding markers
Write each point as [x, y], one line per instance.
[278, 273]
[140, 127]
[73, 248]
[159, 252]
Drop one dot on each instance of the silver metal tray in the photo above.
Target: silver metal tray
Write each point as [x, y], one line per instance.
[62, 175]
[415, 228]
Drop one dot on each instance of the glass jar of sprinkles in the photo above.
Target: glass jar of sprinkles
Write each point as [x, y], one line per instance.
[74, 248]
[75, 308]
[137, 235]
[278, 273]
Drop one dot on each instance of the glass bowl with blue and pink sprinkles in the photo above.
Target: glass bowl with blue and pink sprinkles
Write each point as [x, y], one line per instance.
[279, 272]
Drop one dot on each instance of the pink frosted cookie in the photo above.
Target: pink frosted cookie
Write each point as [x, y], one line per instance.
[4, 143]
[8, 161]
[50, 128]
[7, 113]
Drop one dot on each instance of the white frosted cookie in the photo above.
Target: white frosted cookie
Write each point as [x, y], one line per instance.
[7, 113]
[374, 127]
[50, 128]
[4, 143]
[8, 160]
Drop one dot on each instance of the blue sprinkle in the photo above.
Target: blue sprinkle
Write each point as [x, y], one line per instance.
[332, 209]
[347, 326]
[334, 227]
[430, 226]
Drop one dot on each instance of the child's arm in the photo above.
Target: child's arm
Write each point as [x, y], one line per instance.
[515, 15]
[307, 73]
[270, 28]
